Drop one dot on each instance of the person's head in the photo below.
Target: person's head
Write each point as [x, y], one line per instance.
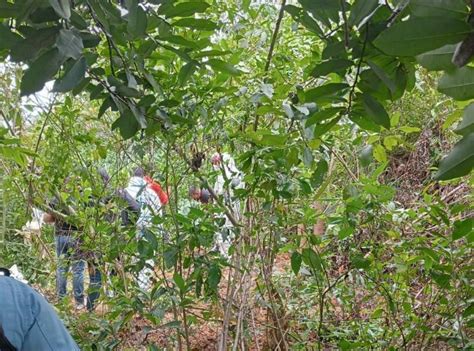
[205, 197]
[194, 193]
[139, 172]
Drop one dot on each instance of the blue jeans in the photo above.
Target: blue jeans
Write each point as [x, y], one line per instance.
[67, 249]
[28, 321]
[95, 283]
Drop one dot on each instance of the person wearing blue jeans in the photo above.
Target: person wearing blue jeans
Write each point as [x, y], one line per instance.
[67, 250]
[28, 322]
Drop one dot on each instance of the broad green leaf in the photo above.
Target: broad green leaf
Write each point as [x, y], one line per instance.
[40, 71]
[319, 174]
[214, 277]
[467, 124]
[358, 261]
[311, 258]
[339, 66]
[366, 155]
[183, 9]
[8, 38]
[458, 84]
[322, 115]
[196, 23]
[438, 59]
[319, 4]
[323, 128]
[376, 111]
[323, 91]
[441, 8]
[360, 10]
[418, 35]
[62, 7]
[72, 77]
[121, 88]
[442, 279]
[462, 228]
[137, 20]
[69, 44]
[223, 67]
[127, 124]
[178, 279]
[379, 153]
[308, 157]
[383, 76]
[186, 72]
[459, 161]
[306, 20]
[296, 262]
[34, 43]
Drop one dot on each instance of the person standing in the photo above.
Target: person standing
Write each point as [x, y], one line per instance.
[68, 253]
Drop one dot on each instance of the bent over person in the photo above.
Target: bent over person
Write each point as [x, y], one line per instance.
[28, 322]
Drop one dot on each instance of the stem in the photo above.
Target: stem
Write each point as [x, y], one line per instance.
[272, 47]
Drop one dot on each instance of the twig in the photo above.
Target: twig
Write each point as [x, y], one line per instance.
[359, 65]
[272, 47]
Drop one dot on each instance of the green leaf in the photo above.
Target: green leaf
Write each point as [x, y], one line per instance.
[358, 261]
[127, 124]
[462, 228]
[214, 277]
[459, 161]
[375, 111]
[439, 59]
[366, 155]
[40, 71]
[458, 84]
[62, 8]
[331, 66]
[379, 72]
[69, 44]
[196, 23]
[322, 115]
[183, 9]
[467, 124]
[137, 20]
[319, 174]
[121, 88]
[360, 10]
[308, 157]
[8, 38]
[223, 67]
[323, 128]
[186, 72]
[311, 258]
[296, 262]
[72, 77]
[379, 153]
[442, 279]
[441, 8]
[180, 283]
[418, 35]
[323, 91]
[32, 46]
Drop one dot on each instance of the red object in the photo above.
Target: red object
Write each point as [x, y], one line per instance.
[157, 189]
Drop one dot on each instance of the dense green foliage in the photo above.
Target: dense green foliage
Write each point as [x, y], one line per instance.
[334, 110]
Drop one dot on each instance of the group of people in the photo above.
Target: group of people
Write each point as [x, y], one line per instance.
[142, 199]
[27, 321]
